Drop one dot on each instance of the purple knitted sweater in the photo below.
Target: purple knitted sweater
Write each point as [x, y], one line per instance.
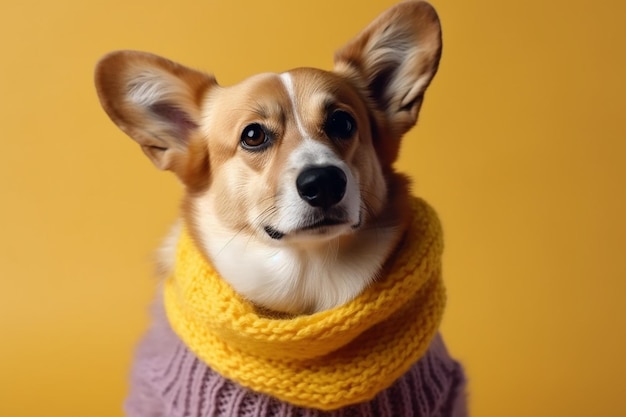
[168, 380]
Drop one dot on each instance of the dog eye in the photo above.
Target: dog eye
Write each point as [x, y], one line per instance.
[254, 137]
[340, 125]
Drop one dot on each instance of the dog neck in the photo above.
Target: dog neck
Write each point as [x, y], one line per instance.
[301, 277]
[385, 330]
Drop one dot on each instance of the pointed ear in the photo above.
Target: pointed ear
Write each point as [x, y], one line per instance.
[394, 59]
[153, 100]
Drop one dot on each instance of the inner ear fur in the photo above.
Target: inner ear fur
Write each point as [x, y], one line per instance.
[155, 101]
[393, 61]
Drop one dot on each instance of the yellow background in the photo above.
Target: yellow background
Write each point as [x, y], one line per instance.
[521, 147]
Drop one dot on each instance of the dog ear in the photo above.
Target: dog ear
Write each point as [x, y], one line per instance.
[155, 101]
[394, 59]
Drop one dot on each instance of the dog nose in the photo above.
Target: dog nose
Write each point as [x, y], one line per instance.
[322, 186]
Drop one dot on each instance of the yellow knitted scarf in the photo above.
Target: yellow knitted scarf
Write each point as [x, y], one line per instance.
[326, 360]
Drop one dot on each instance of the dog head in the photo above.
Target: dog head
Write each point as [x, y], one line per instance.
[290, 189]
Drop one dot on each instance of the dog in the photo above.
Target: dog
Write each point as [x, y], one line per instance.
[292, 198]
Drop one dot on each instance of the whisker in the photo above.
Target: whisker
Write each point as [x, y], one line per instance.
[270, 210]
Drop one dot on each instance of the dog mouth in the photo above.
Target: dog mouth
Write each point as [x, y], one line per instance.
[318, 226]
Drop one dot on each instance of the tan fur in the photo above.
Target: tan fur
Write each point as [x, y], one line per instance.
[185, 122]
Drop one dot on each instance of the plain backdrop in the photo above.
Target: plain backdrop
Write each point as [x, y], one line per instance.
[521, 147]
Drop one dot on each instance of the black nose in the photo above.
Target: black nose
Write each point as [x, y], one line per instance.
[322, 186]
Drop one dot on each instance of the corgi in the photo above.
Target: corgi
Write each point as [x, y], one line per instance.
[290, 189]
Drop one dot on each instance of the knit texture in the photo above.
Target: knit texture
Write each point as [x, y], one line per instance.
[327, 360]
[168, 380]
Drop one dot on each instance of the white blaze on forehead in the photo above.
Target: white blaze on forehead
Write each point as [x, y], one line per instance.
[309, 152]
[285, 77]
